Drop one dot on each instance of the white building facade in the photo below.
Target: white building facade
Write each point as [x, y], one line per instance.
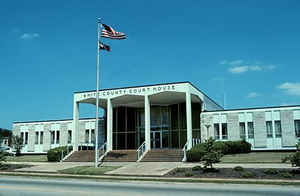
[159, 116]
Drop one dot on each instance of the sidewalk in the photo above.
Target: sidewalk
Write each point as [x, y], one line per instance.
[135, 168]
[159, 179]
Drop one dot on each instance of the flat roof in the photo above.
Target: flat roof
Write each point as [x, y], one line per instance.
[40, 121]
[158, 84]
[255, 108]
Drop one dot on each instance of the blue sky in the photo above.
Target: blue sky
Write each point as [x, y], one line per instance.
[248, 50]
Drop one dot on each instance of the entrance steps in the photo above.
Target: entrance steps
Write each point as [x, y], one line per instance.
[121, 156]
[82, 156]
[163, 155]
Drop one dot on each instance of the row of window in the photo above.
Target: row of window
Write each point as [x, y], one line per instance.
[39, 137]
[55, 138]
[223, 133]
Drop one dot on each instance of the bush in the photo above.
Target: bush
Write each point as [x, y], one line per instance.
[188, 174]
[228, 147]
[238, 168]
[294, 159]
[195, 154]
[54, 155]
[248, 175]
[286, 175]
[2, 157]
[197, 168]
[270, 171]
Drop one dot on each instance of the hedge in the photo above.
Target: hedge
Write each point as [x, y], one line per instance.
[54, 155]
[225, 147]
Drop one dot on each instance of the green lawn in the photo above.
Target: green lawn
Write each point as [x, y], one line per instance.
[255, 157]
[27, 158]
[87, 170]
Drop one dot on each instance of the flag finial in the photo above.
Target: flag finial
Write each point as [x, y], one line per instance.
[99, 20]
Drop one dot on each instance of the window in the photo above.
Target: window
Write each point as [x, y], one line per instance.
[269, 129]
[22, 136]
[52, 137]
[41, 137]
[277, 128]
[250, 130]
[224, 131]
[87, 136]
[217, 134]
[93, 135]
[297, 128]
[69, 136]
[26, 137]
[36, 137]
[57, 137]
[242, 131]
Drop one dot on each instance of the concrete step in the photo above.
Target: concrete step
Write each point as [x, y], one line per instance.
[82, 156]
[121, 156]
[163, 155]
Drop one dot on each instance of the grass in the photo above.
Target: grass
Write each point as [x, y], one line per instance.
[27, 158]
[87, 170]
[255, 157]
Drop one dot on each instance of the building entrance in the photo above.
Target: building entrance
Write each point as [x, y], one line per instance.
[156, 139]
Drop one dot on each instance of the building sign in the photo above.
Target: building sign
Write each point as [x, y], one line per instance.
[131, 91]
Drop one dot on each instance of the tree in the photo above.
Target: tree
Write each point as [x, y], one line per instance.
[17, 143]
[211, 155]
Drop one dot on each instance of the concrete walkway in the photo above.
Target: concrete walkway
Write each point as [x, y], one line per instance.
[133, 168]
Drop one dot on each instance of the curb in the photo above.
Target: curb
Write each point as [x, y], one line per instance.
[157, 179]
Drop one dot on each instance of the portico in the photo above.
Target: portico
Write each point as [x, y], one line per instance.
[162, 115]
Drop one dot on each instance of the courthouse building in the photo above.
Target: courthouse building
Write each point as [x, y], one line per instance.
[162, 116]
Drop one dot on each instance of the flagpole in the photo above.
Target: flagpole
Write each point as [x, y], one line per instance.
[97, 93]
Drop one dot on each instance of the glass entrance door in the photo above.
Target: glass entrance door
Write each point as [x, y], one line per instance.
[156, 141]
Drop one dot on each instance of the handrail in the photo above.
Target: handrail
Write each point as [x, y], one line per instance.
[184, 149]
[141, 151]
[68, 153]
[104, 151]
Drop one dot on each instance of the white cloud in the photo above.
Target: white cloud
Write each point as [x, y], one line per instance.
[237, 70]
[253, 95]
[27, 36]
[236, 62]
[290, 88]
[240, 66]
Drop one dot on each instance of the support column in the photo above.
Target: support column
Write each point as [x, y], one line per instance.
[147, 123]
[109, 130]
[75, 125]
[188, 119]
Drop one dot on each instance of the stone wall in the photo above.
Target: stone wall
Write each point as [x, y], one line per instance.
[233, 126]
[260, 130]
[47, 139]
[288, 128]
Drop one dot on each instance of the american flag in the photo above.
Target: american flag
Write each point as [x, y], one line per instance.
[104, 47]
[109, 32]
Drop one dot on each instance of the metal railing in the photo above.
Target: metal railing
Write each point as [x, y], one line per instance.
[141, 151]
[66, 154]
[102, 152]
[195, 141]
[184, 149]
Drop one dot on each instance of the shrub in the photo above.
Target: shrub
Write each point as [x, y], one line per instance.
[294, 159]
[195, 154]
[221, 147]
[197, 168]
[286, 175]
[180, 170]
[270, 171]
[188, 174]
[236, 147]
[2, 157]
[238, 168]
[228, 147]
[248, 174]
[54, 155]
[295, 171]
[210, 156]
